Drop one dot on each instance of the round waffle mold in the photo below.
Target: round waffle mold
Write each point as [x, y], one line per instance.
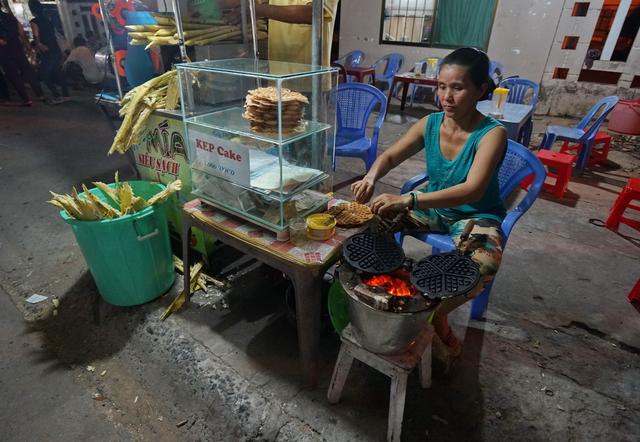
[445, 275]
[373, 253]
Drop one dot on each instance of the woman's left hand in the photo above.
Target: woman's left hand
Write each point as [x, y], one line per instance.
[388, 204]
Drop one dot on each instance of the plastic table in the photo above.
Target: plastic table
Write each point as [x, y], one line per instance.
[304, 265]
[361, 73]
[514, 116]
[406, 79]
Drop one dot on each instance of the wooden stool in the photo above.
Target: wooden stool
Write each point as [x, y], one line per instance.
[562, 164]
[630, 193]
[397, 367]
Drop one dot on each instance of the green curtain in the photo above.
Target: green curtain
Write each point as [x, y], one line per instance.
[463, 22]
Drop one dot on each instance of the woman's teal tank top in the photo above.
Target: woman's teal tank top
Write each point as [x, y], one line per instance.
[444, 173]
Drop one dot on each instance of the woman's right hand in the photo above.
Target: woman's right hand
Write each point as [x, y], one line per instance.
[363, 190]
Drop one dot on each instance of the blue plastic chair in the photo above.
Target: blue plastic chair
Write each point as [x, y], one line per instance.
[518, 164]
[581, 134]
[354, 104]
[351, 59]
[392, 64]
[518, 90]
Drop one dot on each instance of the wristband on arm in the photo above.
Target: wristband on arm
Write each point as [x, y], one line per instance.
[414, 200]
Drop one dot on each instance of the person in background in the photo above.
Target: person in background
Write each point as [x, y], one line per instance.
[44, 36]
[13, 61]
[82, 61]
[464, 151]
[290, 28]
[92, 41]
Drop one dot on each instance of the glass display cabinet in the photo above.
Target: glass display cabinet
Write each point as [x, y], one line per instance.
[260, 137]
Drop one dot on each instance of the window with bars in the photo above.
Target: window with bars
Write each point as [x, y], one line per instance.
[437, 23]
[408, 21]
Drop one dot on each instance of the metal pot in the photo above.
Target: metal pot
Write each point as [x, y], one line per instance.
[384, 332]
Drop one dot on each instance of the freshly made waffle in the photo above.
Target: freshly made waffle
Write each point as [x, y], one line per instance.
[261, 109]
[350, 214]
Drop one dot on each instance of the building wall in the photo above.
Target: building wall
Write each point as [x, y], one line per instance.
[521, 36]
[526, 38]
[570, 96]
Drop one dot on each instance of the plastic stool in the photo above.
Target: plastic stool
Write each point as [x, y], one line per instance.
[562, 163]
[598, 154]
[397, 367]
[630, 192]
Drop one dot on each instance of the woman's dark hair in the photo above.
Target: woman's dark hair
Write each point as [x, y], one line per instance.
[477, 65]
[35, 7]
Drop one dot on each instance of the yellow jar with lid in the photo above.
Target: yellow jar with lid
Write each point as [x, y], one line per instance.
[432, 67]
[321, 226]
[498, 101]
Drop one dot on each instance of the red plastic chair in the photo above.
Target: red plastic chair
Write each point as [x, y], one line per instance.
[630, 193]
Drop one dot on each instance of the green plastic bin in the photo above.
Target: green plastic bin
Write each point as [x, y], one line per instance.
[129, 257]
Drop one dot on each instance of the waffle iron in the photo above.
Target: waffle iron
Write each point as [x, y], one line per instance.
[445, 275]
[372, 253]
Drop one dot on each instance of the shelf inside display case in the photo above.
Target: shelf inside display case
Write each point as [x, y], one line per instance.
[231, 120]
[271, 180]
[269, 209]
[256, 68]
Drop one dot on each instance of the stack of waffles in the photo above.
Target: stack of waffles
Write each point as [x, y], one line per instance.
[350, 214]
[261, 109]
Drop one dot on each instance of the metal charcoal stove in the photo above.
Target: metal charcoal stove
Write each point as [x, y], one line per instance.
[391, 297]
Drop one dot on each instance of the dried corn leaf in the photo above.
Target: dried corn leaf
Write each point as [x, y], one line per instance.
[165, 193]
[105, 210]
[138, 203]
[87, 211]
[173, 94]
[138, 128]
[108, 191]
[125, 196]
[134, 107]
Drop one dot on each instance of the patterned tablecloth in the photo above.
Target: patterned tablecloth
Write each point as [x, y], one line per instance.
[311, 253]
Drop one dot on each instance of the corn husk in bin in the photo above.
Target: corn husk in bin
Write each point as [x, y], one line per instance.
[91, 208]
